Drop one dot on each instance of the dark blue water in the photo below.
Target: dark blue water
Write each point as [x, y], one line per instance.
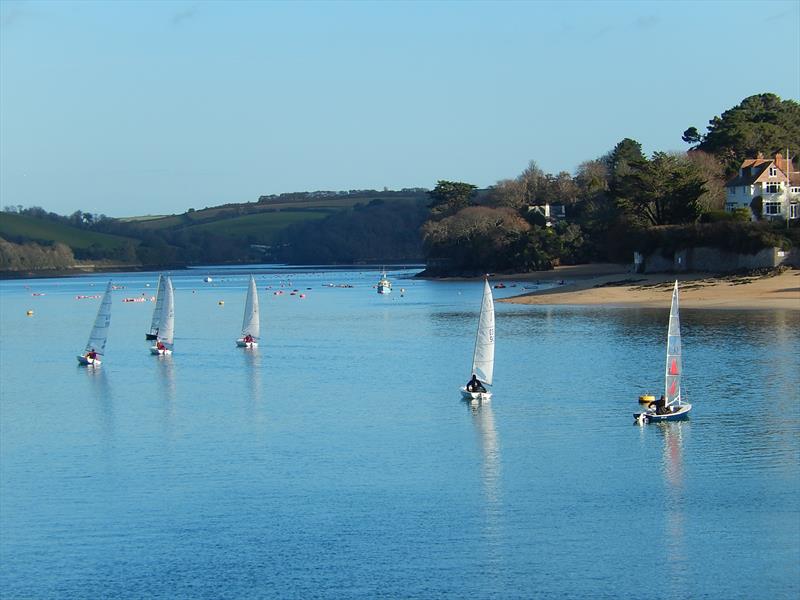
[338, 460]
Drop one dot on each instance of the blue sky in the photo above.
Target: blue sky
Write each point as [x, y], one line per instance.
[130, 108]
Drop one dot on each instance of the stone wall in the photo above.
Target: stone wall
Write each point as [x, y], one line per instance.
[716, 261]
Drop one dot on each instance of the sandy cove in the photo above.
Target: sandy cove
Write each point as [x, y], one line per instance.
[617, 286]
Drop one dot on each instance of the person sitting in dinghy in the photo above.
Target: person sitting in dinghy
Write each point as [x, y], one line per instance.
[474, 385]
[92, 355]
[248, 339]
[660, 405]
[160, 346]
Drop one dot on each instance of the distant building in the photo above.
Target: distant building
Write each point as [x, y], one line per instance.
[768, 185]
[550, 212]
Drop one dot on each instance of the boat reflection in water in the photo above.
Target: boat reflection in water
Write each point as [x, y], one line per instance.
[491, 472]
[166, 376]
[103, 401]
[674, 510]
[252, 360]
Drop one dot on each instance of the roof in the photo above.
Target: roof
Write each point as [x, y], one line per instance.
[756, 170]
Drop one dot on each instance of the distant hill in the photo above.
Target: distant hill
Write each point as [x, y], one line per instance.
[20, 228]
[237, 232]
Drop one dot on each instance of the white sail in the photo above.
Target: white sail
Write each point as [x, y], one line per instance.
[251, 323]
[674, 368]
[167, 322]
[155, 323]
[483, 359]
[99, 334]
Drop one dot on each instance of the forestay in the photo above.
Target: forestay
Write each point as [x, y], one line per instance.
[251, 323]
[674, 367]
[483, 359]
[155, 323]
[167, 324]
[99, 334]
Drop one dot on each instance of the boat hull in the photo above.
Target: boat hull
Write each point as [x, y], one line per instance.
[150, 336]
[485, 396]
[88, 362]
[160, 352]
[384, 290]
[651, 417]
[242, 344]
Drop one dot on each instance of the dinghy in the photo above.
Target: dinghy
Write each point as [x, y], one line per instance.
[96, 346]
[166, 328]
[251, 326]
[154, 323]
[483, 357]
[674, 408]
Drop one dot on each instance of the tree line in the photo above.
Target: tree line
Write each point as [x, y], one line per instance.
[615, 204]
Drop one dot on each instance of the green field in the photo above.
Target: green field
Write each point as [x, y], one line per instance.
[261, 225]
[14, 225]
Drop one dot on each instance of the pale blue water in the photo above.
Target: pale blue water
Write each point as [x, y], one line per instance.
[338, 460]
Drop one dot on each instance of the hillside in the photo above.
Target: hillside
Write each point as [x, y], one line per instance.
[20, 228]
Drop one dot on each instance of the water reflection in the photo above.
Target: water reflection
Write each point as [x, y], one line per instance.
[483, 419]
[103, 403]
[252, 359]
[166, 379]
[675, 517]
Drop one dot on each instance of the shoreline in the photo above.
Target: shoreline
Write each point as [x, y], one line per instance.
[620, 288]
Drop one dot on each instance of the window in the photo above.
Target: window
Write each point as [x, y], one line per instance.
[773, 172]
[794, 209]
[795, 190]
[772, 208]
[772, 188]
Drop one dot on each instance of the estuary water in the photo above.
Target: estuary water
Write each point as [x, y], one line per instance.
[338, 460]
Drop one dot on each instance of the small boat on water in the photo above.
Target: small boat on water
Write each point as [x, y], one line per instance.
[154, 323]
[166, 329]
[96, 346]
[384, 285]
[670, 407]
[251, 326]
[483, 357]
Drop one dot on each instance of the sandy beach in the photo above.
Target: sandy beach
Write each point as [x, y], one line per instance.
[616, 285]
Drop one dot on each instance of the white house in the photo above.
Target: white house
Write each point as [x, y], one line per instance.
[770, 180]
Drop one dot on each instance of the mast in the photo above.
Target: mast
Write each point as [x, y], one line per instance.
[674, 368]
[167, 322]
[483, 357]
[99, 335]
[250, 323]
[155, 323]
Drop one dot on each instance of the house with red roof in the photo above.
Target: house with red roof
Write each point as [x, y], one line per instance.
[769, 187]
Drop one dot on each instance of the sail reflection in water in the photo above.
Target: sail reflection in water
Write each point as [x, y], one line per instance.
[483, 419]
[166, 374]
[675, 518]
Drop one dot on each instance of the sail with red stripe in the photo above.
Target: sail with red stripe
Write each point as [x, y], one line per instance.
[673, 365]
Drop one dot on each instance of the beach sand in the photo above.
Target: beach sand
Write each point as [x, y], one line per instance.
[617, 286]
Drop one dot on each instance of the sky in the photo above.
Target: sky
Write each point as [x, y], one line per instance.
[135, 108]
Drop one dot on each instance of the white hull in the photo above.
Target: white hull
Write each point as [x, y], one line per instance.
[155, 351]
[88, 362]
[384, 290]
[242, 344]
[485, 396]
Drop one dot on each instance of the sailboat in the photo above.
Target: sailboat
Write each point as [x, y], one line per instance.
[674, 408]
[166, 322]
[384, 285]
[154, 323]
[483, 357]
[251, 326]
[96, 346]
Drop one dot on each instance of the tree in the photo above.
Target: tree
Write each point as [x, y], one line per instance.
[662, 191]
[449, 197]
[762, 123]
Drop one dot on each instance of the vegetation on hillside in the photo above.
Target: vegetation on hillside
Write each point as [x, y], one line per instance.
[612, 204]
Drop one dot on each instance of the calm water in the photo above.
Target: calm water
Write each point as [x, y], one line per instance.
[339, 461]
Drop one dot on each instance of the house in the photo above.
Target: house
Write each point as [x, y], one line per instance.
[767, 186]
[551, 212]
